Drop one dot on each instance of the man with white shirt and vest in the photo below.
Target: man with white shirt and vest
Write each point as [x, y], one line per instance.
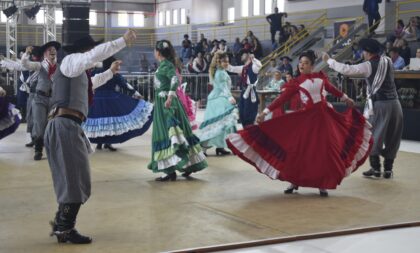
[66, 144]
[383, 109]
[41, 99]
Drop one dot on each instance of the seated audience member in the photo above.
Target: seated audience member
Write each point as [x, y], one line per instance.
[273, 67]
[405, 52]
[276, 82]
[286, 66]
[398, 32]
[397, 60]
[199, 64]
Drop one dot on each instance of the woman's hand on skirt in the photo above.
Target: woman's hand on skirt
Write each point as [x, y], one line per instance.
[168, 102]
[261, 118]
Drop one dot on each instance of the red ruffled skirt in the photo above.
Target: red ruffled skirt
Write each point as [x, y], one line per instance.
[315, 147]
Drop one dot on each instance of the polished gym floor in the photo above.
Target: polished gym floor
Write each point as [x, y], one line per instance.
[228, 202]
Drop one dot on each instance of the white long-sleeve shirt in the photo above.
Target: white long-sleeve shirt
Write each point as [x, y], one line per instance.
[12, 65]
[30, 65]
[363, 69]
[195, 65]
[74, 65]
[256, 66]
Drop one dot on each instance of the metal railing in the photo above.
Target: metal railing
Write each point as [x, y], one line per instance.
[197, 85]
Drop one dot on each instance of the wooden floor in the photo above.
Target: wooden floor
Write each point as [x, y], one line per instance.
[228, 202]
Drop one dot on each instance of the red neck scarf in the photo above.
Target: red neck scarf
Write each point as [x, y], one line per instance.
[51, 69]
[90, 87]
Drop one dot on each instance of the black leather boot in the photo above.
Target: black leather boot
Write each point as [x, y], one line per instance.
[110, 147]
[63, 226]
[99, 146]
[291, 188]
[39, 145]
[388, 166]
[168, 177]
[187, 174]
[30, 144]
[222, 152]
[375, 165]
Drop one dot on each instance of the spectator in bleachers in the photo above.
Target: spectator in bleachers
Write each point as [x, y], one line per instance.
[410, 33]
[286, 66]
[397, 60]
[302, 30]
[207, 58]
[199, 64]
[247, 47]
[371, 8]
[276, 82]
[273, 67]
[405, 52]
[189, 65]
[257, 48]
[186, 48]
[275, 21]
[398, 32]
[237, 47]
[216, 47]
[200, 47]
[223, 46]
[251, 38]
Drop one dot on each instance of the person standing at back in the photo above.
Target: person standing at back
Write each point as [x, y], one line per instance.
[275, 21]
[371, 8]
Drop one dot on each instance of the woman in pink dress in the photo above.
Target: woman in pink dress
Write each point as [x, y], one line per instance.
[188, 104]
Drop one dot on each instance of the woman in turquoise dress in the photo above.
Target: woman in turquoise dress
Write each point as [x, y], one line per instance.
[221, 115]
[174, 146]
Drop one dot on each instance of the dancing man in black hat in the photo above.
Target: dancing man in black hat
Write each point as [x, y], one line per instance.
[66, 144]
[383, 109]
[41, 100]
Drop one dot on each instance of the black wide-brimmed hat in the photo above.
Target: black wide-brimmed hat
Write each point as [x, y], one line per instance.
[286, 57]
[44, 47]
[371, 45]
[82, 44]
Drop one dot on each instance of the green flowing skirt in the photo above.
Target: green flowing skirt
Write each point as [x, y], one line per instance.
[174, 146]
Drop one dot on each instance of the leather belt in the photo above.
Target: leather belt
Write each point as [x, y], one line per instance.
[59, 112]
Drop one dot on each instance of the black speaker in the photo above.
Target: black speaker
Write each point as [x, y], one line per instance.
[72, 10]
[76, 25]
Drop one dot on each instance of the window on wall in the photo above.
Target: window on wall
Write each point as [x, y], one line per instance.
[138, 19]
[168, 17]
[3, 17]
[160, 18]
[39, 18]
[175, 17]
[256, 7]
[122, 19]
[245, 8]
[183, 16]
[231, 15]
[269, 6]
[93, 18]
[280, 5]
[58, 17]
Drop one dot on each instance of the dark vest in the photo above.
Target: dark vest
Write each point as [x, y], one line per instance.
[70, 93]
[388, 90]
[44, 83]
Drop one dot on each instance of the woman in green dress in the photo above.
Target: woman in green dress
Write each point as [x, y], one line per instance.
[174, 146]
[221, 115]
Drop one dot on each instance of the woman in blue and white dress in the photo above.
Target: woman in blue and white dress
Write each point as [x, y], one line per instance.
[115, 117]
[9, 116]
[221, 115]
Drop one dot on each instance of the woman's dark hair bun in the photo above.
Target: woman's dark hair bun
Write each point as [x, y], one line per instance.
[310, 54]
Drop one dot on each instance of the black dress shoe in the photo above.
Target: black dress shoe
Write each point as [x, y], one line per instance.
[110, 147]
[168, 177]
[72, 236]
[372, 173]
[186, 174]
[222, 152]
[205, 154]
[99, 146]
[290, 189]
[30, 144]
[323, 193]
[388, 174]
[38, 156]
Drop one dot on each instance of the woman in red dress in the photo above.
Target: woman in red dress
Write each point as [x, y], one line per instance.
[312, 147]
